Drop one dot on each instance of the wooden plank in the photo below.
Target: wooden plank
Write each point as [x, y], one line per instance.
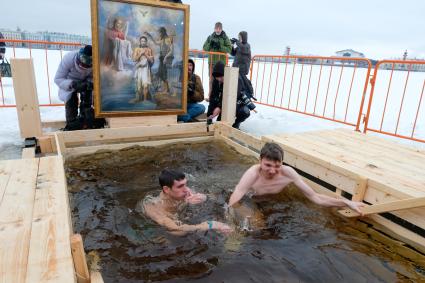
[80, 263]
[124, 122]
[15, 220]
[371, 140]
[239, 148]
[26, 97]
[60, 144]
[96, 277]
[50, 258]
[230, 89]
[242, 137]
[376, 196]
[6, 169]
[131, 134]
[343, 166]
[386, 207]
[46, 143]
[372, 156]
[72, 152]
[338, 180]
[360, 189]
[28, 152]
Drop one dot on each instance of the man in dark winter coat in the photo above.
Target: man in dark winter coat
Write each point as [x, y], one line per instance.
[195, 94]
[243, 105]
[242, 53]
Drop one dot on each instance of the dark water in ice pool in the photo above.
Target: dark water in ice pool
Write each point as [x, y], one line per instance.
[299, 243]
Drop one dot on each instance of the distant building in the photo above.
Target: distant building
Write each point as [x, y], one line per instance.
[349, 53]
[44, 36]
[399, 66]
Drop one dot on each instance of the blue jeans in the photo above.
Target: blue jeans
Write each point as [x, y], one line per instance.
[193, 110]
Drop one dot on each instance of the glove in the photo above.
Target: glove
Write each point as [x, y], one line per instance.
[233, 40]
[81, 86]
[89, 86]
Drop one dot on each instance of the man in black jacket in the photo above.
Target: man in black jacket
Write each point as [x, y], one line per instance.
[2, 47]
[243, 105]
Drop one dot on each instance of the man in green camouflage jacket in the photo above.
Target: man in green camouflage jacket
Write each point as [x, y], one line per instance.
[217, 42]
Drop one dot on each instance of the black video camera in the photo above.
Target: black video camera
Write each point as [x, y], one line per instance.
[246, 101]
[233, 40]
[215, 44]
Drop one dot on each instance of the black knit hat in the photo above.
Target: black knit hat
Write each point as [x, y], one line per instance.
[218, 70]
[193, 64]
[84, 58]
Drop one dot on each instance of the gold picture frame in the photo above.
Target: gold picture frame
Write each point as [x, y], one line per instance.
[140, 54]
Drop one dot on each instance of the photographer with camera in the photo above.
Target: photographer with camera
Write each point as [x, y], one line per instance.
[242, 53]
[74, 77]
[244, 104]
[195, 94]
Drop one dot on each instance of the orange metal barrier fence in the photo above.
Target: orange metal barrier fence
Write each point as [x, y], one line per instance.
[396, 100]
[330, 88]
[204, 64]
[40, 52]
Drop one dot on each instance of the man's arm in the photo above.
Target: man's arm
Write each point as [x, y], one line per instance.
[227, 47]
[319, 198]
[159, 217]
[245, 183]
[199, 89]
[207, 46]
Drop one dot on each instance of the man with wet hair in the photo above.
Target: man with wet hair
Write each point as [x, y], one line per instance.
[175, 193]
[271, 177]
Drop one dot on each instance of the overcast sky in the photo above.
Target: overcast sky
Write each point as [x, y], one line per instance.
[378, 28]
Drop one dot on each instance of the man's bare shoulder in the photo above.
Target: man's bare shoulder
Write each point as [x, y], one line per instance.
[254, 170]
[288, 171]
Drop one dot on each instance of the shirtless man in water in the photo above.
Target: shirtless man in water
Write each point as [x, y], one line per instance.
[175, 193]
[271, 177]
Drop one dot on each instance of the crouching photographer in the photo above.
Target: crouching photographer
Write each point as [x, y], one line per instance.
[74, 79]
[244, 104]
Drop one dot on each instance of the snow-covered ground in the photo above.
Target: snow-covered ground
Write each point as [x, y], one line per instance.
[268, 120]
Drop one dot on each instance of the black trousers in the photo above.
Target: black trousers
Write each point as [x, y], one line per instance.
[242, 113]
[71, 108]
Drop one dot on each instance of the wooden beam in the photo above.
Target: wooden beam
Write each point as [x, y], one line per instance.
[79, 257]
[47, 144]
[125, 122]
[134, 134]
[76, 151]
[28, 153]
[230, 89]
[386, 207]
[245, 138]
[50, 258]
[96, 277]
[16, 211]
[360, 190]
[60, 144]
[26, 97]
